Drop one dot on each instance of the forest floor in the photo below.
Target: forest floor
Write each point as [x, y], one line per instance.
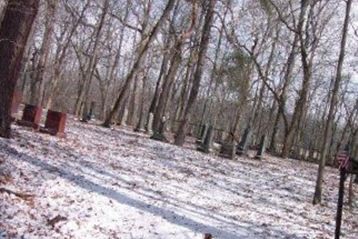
[114, 183]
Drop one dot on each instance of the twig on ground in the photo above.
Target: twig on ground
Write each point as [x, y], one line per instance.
[52, 222]
[23, 196]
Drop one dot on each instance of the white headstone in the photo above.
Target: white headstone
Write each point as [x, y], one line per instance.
[150, 123]
[124, 118]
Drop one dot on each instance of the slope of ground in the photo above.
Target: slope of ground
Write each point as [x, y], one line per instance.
[113, 183]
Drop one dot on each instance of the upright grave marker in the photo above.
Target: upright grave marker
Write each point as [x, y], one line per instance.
[124, 118]
[149, 127]
[87, 116]
[91, 111]
[55, 123]
[262, 148]
[228, 150]
[31, 116]
[224, 136]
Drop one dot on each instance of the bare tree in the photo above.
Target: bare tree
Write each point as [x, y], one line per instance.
[175, 60]
[205, 38]
[142, 49]
[61, 53]
[81, 102]
[333, 104]
[37, 86]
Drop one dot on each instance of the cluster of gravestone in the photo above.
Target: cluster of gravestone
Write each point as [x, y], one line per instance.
[227, 149]
[55, 122]
[205, 138]
[302, 153]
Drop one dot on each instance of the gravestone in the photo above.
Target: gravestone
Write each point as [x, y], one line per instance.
[314, 155]
[224, 136]
[206, 145]
[203, 132]
[124, 118]
[262, 148]
[192, 130]
[16, 101]
[55, 123]
[279, 148]
[228, 150]
[208, 236]
[306, 154]
[88, 115]
[149, 127]
[31, 116]
[159, 134]
[244, 143]
[294, 153]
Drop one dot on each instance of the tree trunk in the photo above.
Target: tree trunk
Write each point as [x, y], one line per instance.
[307, 71]
[213, 75]
[333, 104]
[183, 126]
[3, 5]
[44, 51]
[184, 92]
[140, 123]
[282, 101]
[167, 85]
[133, 102]
[14, 33]
[141, 53]
[260, 107]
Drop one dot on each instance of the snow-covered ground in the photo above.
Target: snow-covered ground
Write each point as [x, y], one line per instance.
[105, 183]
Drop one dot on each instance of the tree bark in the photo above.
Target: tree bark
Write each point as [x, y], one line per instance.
[14, 33]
